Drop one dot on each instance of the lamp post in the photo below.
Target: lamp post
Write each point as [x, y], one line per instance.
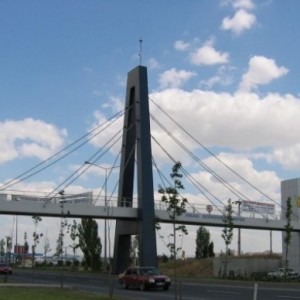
[16, 247]
[16, 243]
[106, 169]
[62, 195]
[239, 202]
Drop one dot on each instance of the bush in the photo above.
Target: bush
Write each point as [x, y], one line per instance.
[258, 276]
[163, 258]
[68, 263]
[76, 263]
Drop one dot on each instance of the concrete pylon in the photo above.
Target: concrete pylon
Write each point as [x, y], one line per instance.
[136, 144]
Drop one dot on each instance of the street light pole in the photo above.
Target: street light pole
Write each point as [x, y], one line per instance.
[61, 193]
[105, 222]
[17, 248]
[105, 203]
[239, 202]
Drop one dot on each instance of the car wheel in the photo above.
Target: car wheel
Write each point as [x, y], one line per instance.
[143, 286]
[125, 285]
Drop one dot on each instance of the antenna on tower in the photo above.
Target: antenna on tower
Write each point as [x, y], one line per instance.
[141, 50]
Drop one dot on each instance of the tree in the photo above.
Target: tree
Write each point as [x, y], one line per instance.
[46, 246]
[288, 229]
[8, 247]
[73, 230]
[59, 245]
[2, 244]
[134, 249]
[90, 243]
[227, 234]
[175, 206]
[211, 252]
[26, 246]
[204, 247]
[36, 236]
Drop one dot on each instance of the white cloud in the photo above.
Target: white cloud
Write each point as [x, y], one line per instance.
[238, 4]
[223, 77]
[243, 122]
[114, 103]
[209, 83]
[174, 79]
[262, 70]
[287, 156]
[108, 132]
[153, 64]
[247, 4]
[181, 45]
[241, 21]
[29, 138]
[207, 55]
[263, 180]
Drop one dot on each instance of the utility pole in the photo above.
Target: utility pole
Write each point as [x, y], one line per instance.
[239, 202]
[106, 169]
[271, 250]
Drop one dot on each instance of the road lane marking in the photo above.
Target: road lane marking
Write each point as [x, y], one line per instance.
[223, 292]
[288, 297]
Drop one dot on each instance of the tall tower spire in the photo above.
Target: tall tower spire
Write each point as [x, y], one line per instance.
[141, 51]
[136, 145]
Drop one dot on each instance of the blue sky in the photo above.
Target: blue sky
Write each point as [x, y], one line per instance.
[226, 70]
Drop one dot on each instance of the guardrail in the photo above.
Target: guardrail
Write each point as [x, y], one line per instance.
[87, 198]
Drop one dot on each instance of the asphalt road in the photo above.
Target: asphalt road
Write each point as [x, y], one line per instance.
[188, 290]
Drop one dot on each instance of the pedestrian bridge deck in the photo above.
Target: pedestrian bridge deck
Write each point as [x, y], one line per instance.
[190, 217]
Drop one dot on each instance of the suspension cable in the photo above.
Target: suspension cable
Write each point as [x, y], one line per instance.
[213, 155]
[91, 134]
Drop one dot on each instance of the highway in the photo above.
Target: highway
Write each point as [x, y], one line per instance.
[189, 289]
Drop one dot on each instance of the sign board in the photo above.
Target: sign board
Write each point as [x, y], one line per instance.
[209, 208]
[258, 207]
[28, 198]
[84, 198]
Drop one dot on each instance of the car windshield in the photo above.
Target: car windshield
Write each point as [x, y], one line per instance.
[149, 271]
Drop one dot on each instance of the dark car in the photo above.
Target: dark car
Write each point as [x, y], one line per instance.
[5, 269]
[144, 278]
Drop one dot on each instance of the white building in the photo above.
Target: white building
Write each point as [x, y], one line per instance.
[291, 188]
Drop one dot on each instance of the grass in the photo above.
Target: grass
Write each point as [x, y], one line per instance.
[28, 293]
[196, 268]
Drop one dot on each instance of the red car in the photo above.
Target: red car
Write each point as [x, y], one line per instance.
[144, 278]
[5, 269]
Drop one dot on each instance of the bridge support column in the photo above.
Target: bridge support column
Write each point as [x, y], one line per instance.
[136, 143]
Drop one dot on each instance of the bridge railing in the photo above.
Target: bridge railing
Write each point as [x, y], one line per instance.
[219, 210]
[87, 198]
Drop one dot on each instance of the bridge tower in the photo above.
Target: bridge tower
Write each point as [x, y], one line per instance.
[136, 146]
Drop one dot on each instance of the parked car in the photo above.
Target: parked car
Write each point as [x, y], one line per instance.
[5, 269]
[144, 278]
[282, 273]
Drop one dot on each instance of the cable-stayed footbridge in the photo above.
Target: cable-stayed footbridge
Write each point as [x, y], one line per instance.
[81, 207]
[137, 163]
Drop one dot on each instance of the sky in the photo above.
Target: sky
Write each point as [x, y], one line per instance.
[225, 70]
